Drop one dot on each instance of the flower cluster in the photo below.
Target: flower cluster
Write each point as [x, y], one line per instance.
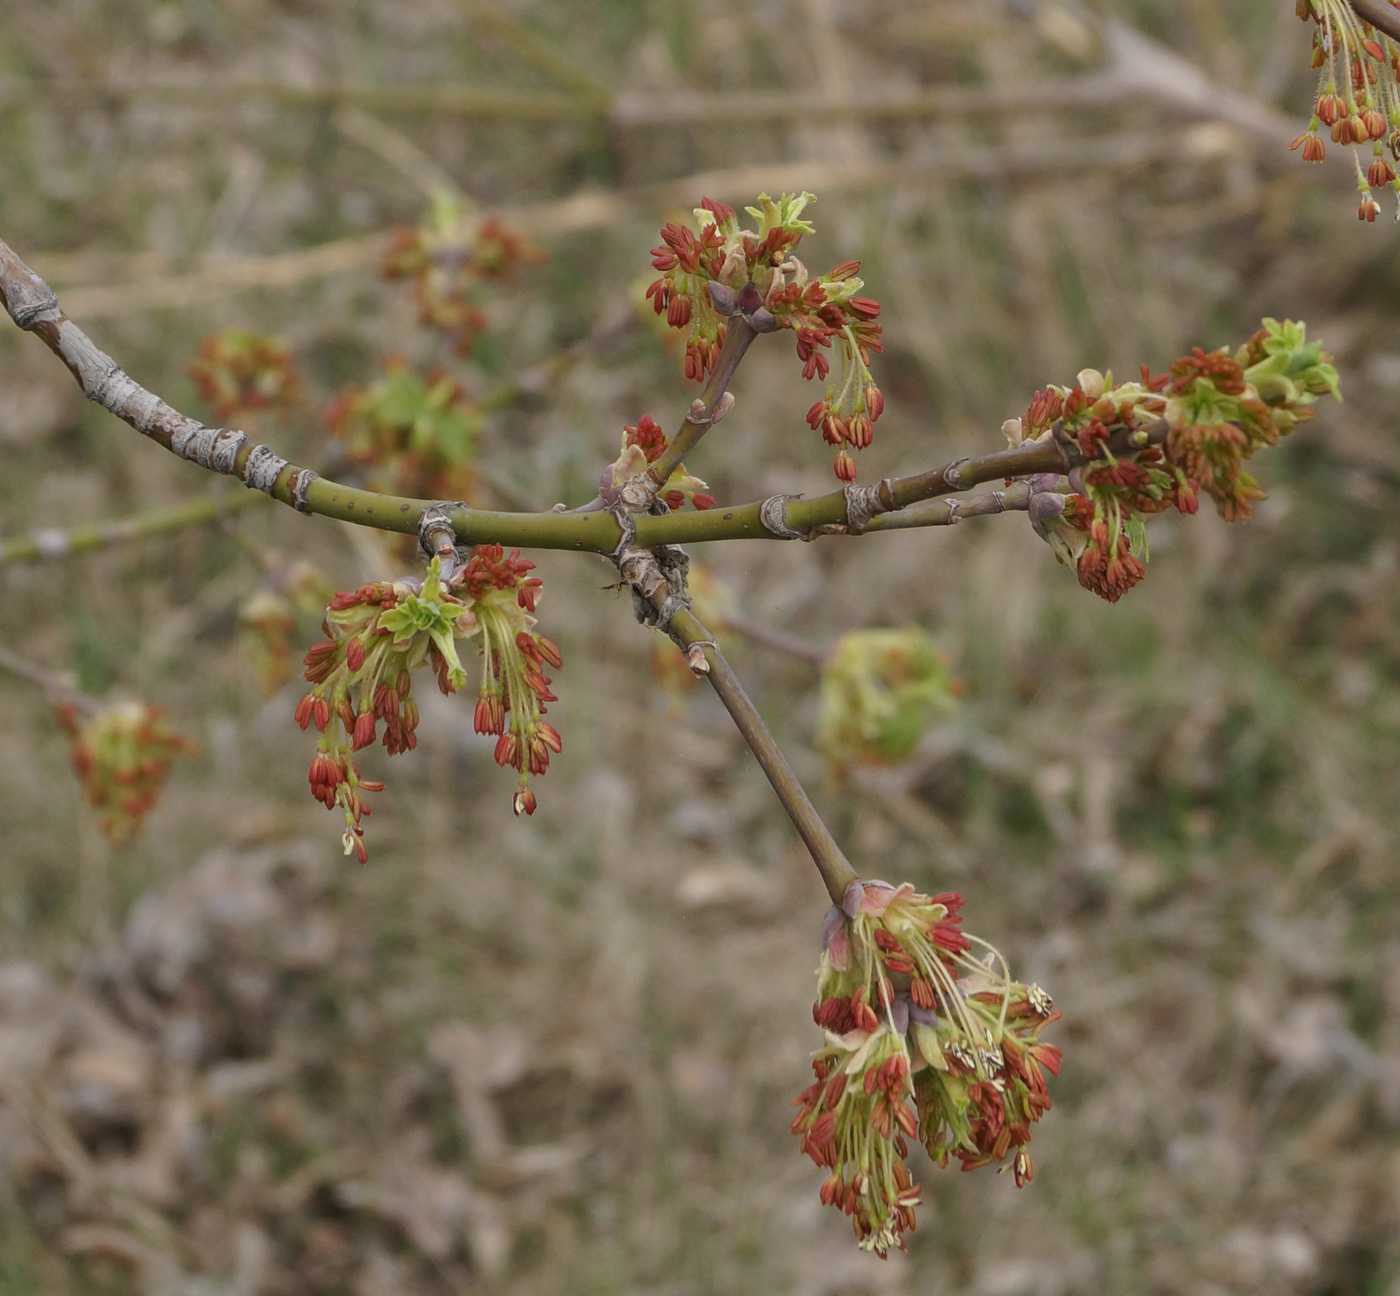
[447, 258]
[643, 445]
[416, 434]
[122, 754]
[268, 619]
[1358, 95]
[1155, 444]
[361, 674]
[514, 688]
[723, 269]
[879, 689]
[924, 1041]
[236, 371]
[377, 635]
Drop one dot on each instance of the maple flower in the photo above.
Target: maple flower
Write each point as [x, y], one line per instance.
[362, 677]
[514, 689]
[924, 1041]
[1216, 408]
[724, 269]
[643, 445]
[122, 754]
[1358, 94]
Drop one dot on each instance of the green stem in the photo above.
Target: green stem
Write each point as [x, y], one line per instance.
[738, 336]
[54, 543]
[829, 858]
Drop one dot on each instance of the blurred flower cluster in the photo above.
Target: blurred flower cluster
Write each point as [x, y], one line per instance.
[237, 371]
[415, 434]
[723, 270]
[924, 1041]
[1155, 444]
[268, 618]
[122, 754]
[1358, 98]
[879, 689]
[447, 258]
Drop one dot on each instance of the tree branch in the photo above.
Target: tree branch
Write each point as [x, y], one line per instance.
[1381, 14]
[34, 307]
[829, 858]
[53, 542]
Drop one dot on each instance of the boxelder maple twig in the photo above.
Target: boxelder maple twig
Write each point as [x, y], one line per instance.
[34, 307]
[829, 858]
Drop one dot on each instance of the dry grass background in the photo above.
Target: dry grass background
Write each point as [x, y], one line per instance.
[556, 1055]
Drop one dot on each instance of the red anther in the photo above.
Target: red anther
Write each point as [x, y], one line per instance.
[816, 414]
[525, 802]
[484, 719]
[846, 270]
[549, 651]
[364, 730]
[860, 432]
[674, 500]
[371, 785]
[864, 307]
[1330, 108]
[874, 402]
[539, 756]
[702, 502]
[346, 712]
[833, 430]
[354, 654]
[321, 713]
[678, 312]
[551, 737]
[508, 750]
[844, 467]
[303, 711]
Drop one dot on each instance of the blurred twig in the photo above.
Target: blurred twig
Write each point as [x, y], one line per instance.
[56, 689]
[53, 542]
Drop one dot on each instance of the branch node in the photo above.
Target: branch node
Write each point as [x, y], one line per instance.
[772, 516]
[262, 470]
[213, 448]
[866, 502]
[301, 483]
[952, 477]
[437, 537]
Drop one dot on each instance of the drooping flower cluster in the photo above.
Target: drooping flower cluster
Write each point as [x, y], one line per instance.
[924, 1041]
[724, 270]
[879, 689]
[1156, 444]
[514, 688]
[237, 371]
[643, 445]
[415, 434]
[377, 635]
[447, 258]
[361, 675]
[122, 754]
[1358, 95]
